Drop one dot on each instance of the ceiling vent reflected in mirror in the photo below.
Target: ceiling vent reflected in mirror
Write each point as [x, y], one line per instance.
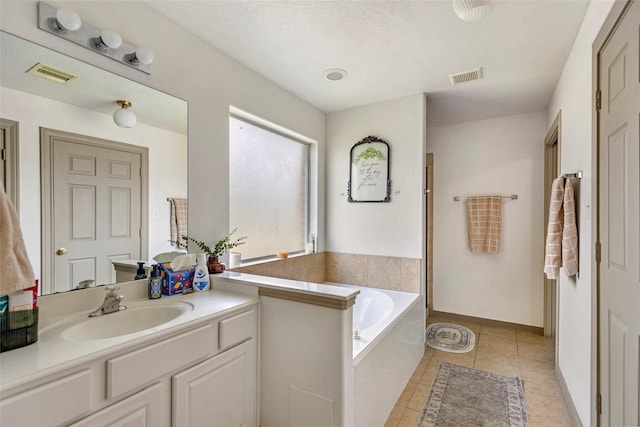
[51, 73]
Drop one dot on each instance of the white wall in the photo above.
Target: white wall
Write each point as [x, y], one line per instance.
[186, 67]
[394, 228]
[573, 96]
[495, 156]
[165, 148]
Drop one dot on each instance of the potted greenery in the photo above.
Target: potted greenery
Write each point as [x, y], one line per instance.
[220, 248]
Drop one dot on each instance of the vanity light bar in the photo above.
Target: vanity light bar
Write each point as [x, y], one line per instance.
[94, 39]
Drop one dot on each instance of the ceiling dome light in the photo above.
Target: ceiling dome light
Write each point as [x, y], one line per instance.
[335, 74]
[472, 10]
[124, 117]
[66, 20]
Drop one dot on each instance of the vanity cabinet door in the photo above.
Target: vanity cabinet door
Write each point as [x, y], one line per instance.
[220, 391]
[143, 409]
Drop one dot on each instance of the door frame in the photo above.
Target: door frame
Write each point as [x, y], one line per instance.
[552, 154]
[617, 12]
[428, 164]
[47, 139]
[10, 129]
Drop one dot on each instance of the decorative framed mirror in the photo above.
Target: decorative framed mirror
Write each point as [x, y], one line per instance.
[369, 172]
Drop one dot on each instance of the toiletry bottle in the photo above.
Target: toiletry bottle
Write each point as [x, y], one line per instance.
[201, 275]
[155, 283]
[140, 274]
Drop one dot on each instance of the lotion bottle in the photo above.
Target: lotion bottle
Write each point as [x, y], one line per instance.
[201, 275]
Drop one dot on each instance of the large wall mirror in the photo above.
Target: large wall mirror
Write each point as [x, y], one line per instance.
[69, 126]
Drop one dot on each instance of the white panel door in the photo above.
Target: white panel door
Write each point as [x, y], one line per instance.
[619, 223]
[96, 211]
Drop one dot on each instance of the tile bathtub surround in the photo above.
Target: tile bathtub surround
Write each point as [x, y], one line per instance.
[384, 272]
[392, 273]
[306, 268]
[503, 350]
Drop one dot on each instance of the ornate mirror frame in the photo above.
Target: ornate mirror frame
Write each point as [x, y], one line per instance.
[369, 172]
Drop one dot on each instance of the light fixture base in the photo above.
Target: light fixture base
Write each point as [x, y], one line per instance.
[84, 36]
[335, 74]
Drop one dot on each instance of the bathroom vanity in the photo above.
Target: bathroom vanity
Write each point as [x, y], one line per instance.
[193, 363]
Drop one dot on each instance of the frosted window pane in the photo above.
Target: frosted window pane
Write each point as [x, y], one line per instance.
[267, 190]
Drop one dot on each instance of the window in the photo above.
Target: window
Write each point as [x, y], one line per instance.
[268, 189]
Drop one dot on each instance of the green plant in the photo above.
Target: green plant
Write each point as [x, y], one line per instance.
[221, 246]
[370, 153]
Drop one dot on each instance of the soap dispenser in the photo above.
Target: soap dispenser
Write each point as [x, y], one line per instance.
[155, 283]
[140, 274]
[201, 275]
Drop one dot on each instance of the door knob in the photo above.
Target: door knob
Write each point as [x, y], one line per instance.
[61, 251]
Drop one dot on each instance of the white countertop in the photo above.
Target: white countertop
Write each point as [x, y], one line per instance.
[310, 288]
[37, 360]
[44, 357]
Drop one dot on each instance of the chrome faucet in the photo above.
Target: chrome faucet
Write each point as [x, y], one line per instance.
[111, 303]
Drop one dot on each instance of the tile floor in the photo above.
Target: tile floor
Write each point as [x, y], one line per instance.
[501, 350]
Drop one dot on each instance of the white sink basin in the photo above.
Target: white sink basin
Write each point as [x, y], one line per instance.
[135, 318]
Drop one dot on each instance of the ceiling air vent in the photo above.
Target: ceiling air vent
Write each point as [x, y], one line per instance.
[465, 76]
[51, 73]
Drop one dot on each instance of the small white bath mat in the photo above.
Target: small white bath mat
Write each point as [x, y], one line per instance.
[450, 337]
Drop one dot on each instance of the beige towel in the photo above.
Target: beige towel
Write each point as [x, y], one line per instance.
[553, 248]
[569, 232]
[16, 272]
[178, 219]
[484, 218]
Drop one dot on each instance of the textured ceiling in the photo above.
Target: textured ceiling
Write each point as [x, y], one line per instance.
[392, 49]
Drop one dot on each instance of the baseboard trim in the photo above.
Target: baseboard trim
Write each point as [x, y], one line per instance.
[489, 322]
[573, 412]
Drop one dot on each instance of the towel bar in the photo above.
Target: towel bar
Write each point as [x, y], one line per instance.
[512, 197]
[573, 175]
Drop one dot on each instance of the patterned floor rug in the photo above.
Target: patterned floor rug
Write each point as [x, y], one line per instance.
[450, 337]
[465, 397]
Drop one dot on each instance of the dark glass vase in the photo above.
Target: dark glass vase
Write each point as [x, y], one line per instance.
[214, 265]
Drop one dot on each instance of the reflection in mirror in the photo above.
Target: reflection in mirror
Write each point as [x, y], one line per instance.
[69, 127]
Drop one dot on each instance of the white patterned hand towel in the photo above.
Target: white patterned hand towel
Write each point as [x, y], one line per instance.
[484, 217]
[570, 232]
[553, 248]
[16, 272]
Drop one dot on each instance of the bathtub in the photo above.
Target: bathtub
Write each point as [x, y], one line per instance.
[313, 369]
[391, 344]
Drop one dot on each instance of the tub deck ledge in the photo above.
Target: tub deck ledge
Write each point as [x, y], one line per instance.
[340, 298]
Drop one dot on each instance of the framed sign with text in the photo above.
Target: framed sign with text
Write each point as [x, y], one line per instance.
[369, 172]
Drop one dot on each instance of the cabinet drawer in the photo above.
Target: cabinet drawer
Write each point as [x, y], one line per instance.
[51, 404]
[139, 367]
[233, 330]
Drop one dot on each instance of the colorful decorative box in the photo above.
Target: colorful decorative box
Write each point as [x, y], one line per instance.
[176, 282]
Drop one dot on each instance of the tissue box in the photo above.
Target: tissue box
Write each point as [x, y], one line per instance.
[176, 282]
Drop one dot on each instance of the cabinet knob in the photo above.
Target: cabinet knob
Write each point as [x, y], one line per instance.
[61, 251]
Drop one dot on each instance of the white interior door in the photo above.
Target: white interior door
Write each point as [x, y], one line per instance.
[96, 203]
[619, 223]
